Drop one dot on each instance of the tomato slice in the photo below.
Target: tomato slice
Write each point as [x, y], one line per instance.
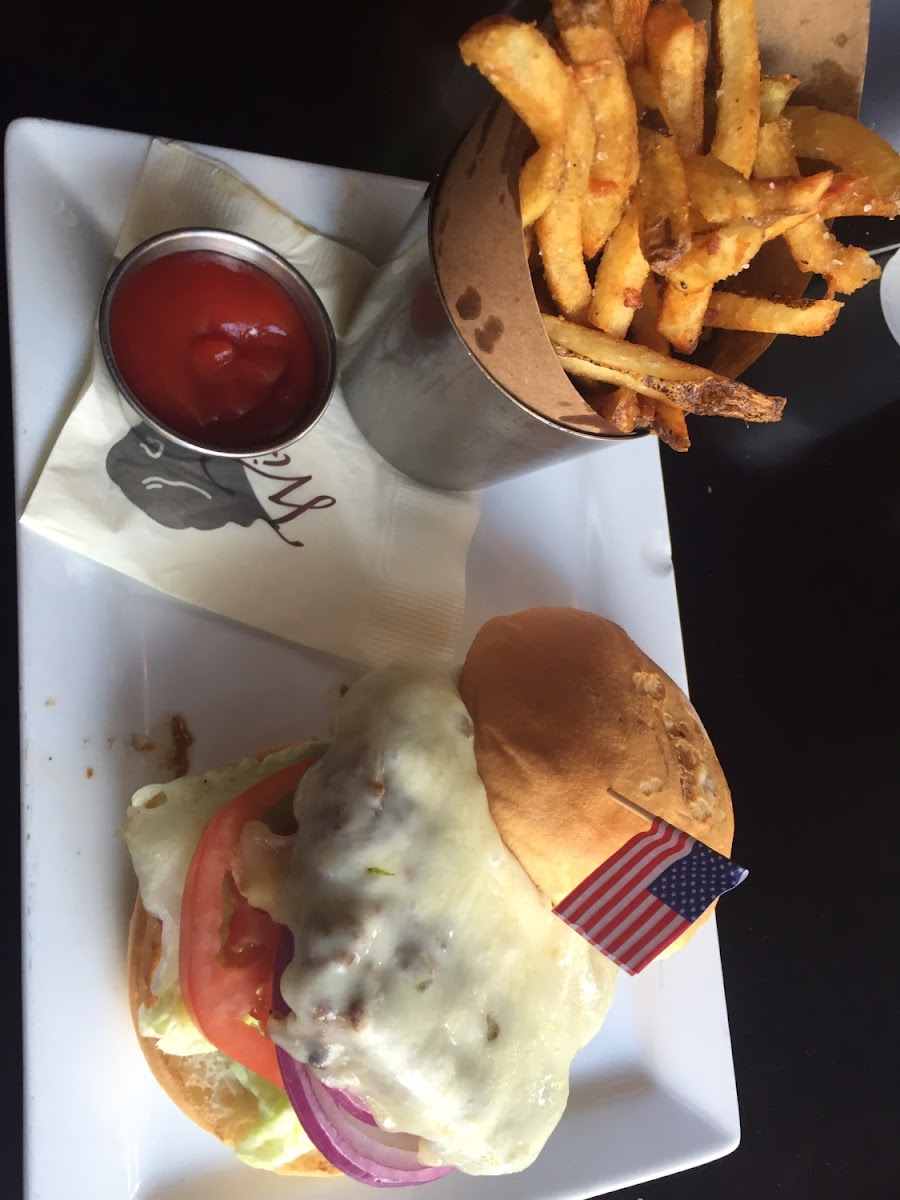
[226, 952]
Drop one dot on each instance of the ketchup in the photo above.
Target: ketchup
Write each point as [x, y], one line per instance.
[214, 348]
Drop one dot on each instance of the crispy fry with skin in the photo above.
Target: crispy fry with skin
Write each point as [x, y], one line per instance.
[665, 204]
[669, 424]
[709, 396]
[812, 246]
[718, 192]
[676, 50]
[716, 255]
[620, 278]
[590, 354]
[777, 222]
[681, 316]
[738, 97]
[721, 194]
[587, 35]
[853, 147]
[525, 69]
[558, 230]
[620, 408]
[781, 226]
[667, 421]
[775, 92]
[540, 181]
[791, 195]
[628, 21]
[802, 318]
[855, 197]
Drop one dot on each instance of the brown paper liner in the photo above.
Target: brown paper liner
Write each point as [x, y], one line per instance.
[478, 246]
[480, 264]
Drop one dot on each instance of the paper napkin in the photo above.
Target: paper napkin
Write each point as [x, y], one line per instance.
[324, 544]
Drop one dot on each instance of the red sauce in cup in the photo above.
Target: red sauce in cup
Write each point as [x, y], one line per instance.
[214, 348]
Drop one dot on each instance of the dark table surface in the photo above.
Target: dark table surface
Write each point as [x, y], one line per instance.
[785, 543]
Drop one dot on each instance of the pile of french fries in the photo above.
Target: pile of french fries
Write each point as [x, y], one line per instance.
[650, 191]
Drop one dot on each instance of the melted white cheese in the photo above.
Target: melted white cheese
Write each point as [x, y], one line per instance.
[429, 976]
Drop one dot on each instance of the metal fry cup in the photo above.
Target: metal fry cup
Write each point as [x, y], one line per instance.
[447, 368]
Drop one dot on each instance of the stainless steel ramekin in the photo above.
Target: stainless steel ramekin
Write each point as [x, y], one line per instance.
[247, 250]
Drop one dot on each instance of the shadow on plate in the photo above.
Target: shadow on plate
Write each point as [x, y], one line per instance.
[239, 1182]
[592, 1094]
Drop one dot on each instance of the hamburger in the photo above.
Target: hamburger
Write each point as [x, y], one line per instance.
[343, 957]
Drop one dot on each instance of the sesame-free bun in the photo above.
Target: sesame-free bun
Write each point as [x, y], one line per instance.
[211, 1096]
[565, 707]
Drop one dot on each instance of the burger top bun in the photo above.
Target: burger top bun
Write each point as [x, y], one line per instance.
[565, 707]
[210, 1096]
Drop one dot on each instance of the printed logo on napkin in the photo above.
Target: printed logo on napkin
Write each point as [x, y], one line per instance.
[324, 544]
[182, 489]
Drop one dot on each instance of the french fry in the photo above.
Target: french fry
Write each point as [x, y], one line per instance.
[528, 242]
[738, 97]
[775, 92]
[708, 395]
[665, 204]
[775, 152]
[849, 145]
[671, 221]
[792, 200]
[540, 180]
[681, 316]
[845, 268]
[802, 318]
[645, 325]
[620, 277]
[590, 354]
[667, 421]
[812, 246]
[716, 255]
[558, 230]
[676, 49]
[621, 408]
[615, 169]
[780, 226]
[644, 89]
[718, 192]
[669, 425]
[525, 69]
[784, 207]
[791, 195]
[854, 197]
[628, 22]
[586, 31]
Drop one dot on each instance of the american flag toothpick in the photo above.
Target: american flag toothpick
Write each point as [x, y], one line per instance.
[650, 891]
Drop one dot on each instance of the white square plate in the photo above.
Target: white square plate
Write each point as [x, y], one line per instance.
[103, 659]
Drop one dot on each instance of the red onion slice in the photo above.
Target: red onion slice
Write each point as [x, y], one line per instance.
[352, 1105]
[368, 1155]
[337, 1123]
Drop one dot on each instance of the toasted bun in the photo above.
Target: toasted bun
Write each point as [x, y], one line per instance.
[565, 707]
[214, 1100]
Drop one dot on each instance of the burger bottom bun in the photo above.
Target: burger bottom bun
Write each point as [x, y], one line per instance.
[212, 1098]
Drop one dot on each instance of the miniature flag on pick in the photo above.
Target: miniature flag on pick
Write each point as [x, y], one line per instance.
[650, 891]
